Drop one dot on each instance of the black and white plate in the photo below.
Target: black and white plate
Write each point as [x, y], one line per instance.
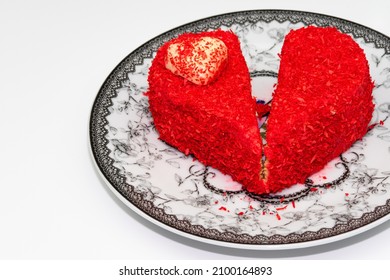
[350, 195]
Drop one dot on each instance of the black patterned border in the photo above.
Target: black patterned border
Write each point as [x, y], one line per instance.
[103, 101]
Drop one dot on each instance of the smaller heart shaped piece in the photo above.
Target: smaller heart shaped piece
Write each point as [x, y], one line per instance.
[198, 60]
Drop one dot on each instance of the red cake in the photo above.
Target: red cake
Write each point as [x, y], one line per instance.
[216, 122]
[322, 104]
[200, 99]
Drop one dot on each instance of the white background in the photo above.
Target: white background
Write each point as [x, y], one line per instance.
[54, 56]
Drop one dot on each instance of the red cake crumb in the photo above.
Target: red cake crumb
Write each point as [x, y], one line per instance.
[281, 208]
[262, 109]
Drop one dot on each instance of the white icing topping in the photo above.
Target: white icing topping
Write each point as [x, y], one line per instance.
[199, 60]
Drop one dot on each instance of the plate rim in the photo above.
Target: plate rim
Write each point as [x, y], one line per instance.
[232, 245]
[310, 242]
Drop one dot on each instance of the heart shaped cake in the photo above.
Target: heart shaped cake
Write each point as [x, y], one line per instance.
[200, 99]
[322, 104]
[216, 121]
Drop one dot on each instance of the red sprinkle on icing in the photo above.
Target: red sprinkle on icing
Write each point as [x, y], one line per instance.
[381, 122]
[313, 189]
[372, 126]
[197, 59]
[278, 216]
[293, 203]
[240, 213]
[346, 194]
[222, 208]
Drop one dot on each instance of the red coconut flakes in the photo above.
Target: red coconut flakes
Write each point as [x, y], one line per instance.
[322, 104]
[215, 122]
[281, 208]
